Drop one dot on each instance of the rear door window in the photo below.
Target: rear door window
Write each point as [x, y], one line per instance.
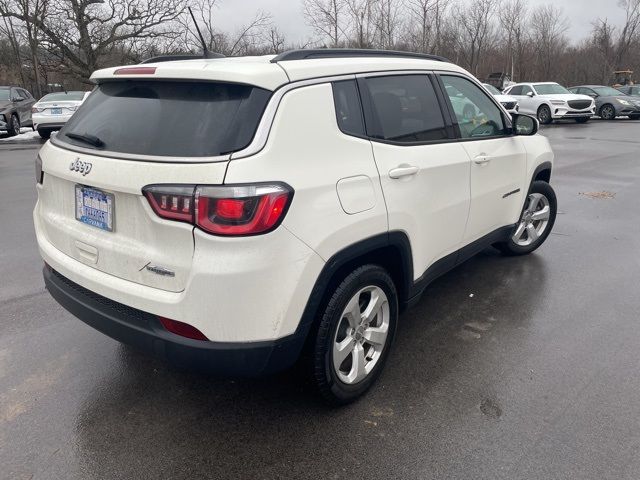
[162, 118]
[404, 109]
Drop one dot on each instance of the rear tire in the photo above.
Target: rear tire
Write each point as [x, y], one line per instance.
[355, 333]
[607, 112]
[583, 119]
[544, 115]
[14, 126]
[44, 133]
[634, 117]
[536, 221]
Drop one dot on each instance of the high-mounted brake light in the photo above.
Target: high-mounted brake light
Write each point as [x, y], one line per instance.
[229, 210]
[135, 71]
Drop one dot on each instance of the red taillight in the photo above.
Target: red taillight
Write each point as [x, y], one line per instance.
[135, 71]
[171, 202]
[182, 329]
[230, 210]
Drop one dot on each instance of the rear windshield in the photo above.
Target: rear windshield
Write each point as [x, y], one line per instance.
[62, 96]
[177, 119]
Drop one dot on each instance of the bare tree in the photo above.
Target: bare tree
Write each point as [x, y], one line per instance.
[513, 17]
[629, 31]
[82, 34]
[426, 24]
[548, 27]
[362, 19]
[476, 30]
[388, 21]
[328, 18]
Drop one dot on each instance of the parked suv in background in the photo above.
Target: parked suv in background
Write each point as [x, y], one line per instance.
[508, 102]
[550, 101]
[15, 109]
[240, 231]
[54, 110]
[610, 103]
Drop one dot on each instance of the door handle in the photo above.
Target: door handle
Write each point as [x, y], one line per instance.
[403, 171]
[482, 159]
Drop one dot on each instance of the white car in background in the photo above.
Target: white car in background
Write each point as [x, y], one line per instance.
[550, 101]
[53, 110]
[508, 102]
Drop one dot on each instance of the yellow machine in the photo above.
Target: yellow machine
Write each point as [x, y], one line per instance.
[623, 78]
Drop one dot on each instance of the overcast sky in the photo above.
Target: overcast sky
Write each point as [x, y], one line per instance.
[287, 14]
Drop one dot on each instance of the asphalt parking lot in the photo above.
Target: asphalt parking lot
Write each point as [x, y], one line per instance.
[508, 368]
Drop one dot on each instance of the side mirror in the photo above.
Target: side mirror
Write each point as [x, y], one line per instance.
[524, 124]
[18, 99]
[530, 94]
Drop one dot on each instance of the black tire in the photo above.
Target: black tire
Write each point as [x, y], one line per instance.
[44, 133]
[607, 112]
[634, 117]
[510, 247]
[583, 119]
[14, 126]
[326, 378]
[544, 115]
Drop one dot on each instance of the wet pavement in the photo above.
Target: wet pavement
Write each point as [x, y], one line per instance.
[508, 368]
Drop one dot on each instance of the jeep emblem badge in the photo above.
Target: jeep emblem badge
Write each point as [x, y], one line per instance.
[81, 167]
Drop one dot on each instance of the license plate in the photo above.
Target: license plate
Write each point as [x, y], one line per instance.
[56, 111]
[94, 207]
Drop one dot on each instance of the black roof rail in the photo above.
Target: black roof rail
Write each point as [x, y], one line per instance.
[305, 54]
[172, 58]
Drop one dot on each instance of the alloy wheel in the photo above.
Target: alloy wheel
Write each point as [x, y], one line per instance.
[361, 335]
[534, 220]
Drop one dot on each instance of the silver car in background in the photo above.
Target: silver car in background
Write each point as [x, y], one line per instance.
[53, 110]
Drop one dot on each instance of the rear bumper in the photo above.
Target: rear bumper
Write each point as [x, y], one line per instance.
[52, 122]
[145, 332]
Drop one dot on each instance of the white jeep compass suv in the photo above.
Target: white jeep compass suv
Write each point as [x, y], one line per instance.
[232, 214]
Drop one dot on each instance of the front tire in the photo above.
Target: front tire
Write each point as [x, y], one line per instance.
[544, 115]
[607, 112]
[634, 117]
[354, 334]
[14, 126]
[536, 221]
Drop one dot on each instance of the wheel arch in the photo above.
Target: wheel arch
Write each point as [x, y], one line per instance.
[542, 172]
[390, 250]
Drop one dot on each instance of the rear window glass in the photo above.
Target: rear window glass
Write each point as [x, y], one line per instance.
[188, 119]
[62, 96]
[348, 108]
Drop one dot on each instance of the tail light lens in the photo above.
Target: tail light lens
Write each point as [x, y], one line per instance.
[36, 110]
[229, 210]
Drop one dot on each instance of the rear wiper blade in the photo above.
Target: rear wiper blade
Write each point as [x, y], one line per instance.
[86, 138]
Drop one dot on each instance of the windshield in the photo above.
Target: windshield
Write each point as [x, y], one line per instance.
[492, 90]
[176, 119]
[62, 96]
[608, 92]
[550, 89]
[4, 94]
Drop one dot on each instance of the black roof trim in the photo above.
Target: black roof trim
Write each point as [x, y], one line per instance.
[173, 58]
[306, 54]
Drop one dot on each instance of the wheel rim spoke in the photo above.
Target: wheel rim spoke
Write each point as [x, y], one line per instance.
[376, 336]
[520, 231]
[358, 366]
[342, 350]
[543, 214]
[533, 202]
[352, 312]
[374, 306]
[532, 232]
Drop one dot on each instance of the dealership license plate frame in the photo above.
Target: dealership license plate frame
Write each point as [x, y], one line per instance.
[100, 215]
